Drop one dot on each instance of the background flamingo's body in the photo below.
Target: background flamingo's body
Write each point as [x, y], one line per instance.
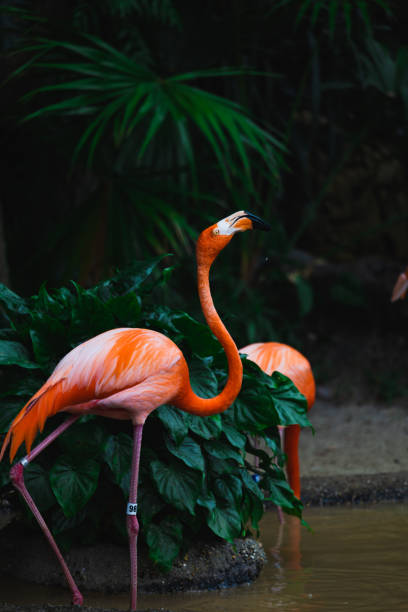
[401, 286]
[126, 374]
[271, 356]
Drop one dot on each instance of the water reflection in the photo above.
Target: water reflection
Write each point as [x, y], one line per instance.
[287, 548]
[354, 559]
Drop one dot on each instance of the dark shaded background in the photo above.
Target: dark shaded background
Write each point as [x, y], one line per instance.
[339, 211]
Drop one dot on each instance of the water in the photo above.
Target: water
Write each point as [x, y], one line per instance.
[355, 559]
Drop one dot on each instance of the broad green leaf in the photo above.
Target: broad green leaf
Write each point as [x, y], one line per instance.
[126, 309]
[251, 484]
[15, 353]
[12, 302]
[9, 410]
[164, 541]
[279, 491]
[175, 422]
[221, 450]
[254, 410]
[207, 500]
[74, 483]
[273, 443]
[228, 487]
[199, 336]
[289, 403]
[22, 387]
[129, 279]
[257, 511]
[149, 503]
[56, 304]
[179, 486]
[225, 522]
[246, 508]
[235, 437]
[84, 440]
[90, 316]
[38, 485]
[61, 523]
[203, 380]
[188, 451]
[207, 427]
[49, 338]
[220, 466]
[118, 455]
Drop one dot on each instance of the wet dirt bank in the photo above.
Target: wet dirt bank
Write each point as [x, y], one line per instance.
[105, 567]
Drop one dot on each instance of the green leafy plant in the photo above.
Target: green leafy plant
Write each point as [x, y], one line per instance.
[198, 475]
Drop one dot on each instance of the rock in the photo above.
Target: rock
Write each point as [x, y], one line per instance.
[105, 567]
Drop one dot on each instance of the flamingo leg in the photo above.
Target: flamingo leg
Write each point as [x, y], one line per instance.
[17, 478]
[291, 448]
[131, 519]
[282, 441]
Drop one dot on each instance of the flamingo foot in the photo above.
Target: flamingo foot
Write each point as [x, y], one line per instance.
[77, 599]
[16, 476]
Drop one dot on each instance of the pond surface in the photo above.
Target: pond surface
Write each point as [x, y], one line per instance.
[355, 559]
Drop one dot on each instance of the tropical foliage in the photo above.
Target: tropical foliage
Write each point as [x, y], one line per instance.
[129, 126]
[197, 475]
[151, 131]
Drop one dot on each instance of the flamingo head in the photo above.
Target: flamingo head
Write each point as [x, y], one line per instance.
[400, 287]
[216, 237]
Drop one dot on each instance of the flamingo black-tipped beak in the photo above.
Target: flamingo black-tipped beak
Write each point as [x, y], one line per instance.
[257, 222]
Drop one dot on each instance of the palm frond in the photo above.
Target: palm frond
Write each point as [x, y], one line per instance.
[128, 100]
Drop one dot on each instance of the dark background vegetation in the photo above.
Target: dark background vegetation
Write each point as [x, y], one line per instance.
[334, 92]
[317, 147]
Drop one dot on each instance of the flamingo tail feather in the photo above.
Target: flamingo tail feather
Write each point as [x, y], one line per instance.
[31, 419]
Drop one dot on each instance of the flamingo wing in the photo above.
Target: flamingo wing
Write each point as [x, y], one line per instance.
[122, 373]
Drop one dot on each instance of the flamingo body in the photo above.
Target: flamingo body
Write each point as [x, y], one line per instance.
[122, 373]
[271, 356]
[125, 374]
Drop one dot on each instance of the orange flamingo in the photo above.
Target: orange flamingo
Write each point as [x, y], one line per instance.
[401, 287]
[271, 356]
[125, 374]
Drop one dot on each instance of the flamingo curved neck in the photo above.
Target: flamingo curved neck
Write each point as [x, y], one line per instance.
[190, 402]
